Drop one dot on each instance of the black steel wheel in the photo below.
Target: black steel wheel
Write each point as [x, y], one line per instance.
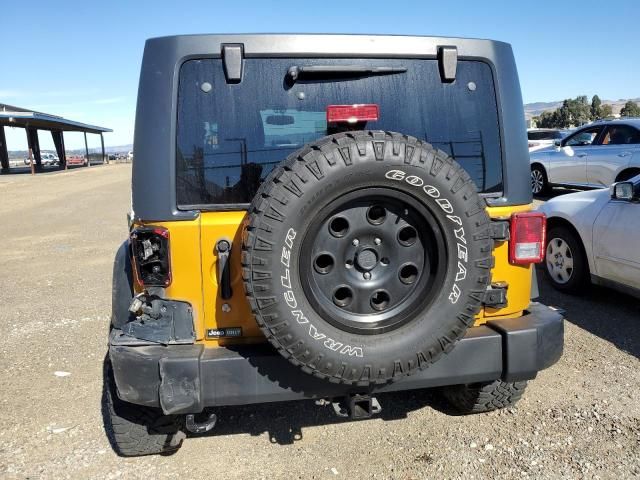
[373, 260]
[365, 256]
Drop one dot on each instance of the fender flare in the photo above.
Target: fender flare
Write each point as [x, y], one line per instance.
[121, 287]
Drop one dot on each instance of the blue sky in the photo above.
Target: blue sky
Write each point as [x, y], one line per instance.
[81, 59]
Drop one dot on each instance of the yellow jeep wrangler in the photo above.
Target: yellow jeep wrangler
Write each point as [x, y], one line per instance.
[324, 217]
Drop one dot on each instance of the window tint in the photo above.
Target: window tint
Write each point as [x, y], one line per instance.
[230, 136]
[621, 135]
[583, 137]
[536, 135]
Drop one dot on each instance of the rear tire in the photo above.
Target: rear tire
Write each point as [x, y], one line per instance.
[539, 181]
[484, 397]
[135, 430]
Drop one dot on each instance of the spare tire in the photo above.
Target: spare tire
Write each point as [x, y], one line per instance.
[365, 256]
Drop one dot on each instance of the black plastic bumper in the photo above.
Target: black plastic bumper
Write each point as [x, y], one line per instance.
[188, 378]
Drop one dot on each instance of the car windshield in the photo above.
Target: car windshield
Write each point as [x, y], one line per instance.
[229, 136]
[583, 138]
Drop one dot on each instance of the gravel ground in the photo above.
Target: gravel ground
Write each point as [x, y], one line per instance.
[579, 419]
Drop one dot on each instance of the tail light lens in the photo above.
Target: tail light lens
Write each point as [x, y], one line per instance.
[353, 113]
[150, 248]
[528, 233]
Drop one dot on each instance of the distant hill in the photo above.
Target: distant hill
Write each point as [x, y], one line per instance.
[119, 148]
[536, 108]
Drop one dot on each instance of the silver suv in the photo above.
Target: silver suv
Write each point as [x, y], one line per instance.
[593, 156]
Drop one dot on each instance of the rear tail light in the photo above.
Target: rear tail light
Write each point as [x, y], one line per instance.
[528, 233]
[150, 248]
[353, 113]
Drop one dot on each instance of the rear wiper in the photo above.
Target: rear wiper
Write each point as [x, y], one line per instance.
[328, 70]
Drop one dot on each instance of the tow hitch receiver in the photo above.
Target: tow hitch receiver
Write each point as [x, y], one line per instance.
[356, 406]
[200, 427]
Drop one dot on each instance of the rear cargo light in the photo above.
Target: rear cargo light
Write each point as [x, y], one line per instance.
[528, 233]
[353, 113]
[150, 248]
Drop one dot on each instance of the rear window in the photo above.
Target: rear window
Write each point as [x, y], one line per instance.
[536, 135]
[230, 136]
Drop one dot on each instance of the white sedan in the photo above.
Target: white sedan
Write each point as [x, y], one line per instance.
[595, 236]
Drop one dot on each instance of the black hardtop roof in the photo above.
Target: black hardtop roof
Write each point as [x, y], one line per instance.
[154, 171]
[336, 44]
[235, 35]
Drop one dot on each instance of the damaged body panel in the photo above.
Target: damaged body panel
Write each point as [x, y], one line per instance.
[163, 321]
[189, 378]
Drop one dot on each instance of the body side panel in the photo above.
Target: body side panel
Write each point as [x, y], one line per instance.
[194, 265]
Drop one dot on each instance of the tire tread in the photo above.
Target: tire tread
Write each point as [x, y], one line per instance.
[136, 430]
[326, 153]
[484, 397]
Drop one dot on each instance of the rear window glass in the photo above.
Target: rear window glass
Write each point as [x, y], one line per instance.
[230, 136]
[544, 135]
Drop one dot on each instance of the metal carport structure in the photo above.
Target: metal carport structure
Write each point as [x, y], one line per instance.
[33, 121]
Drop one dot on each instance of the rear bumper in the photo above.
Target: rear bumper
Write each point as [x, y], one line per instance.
[188, 378]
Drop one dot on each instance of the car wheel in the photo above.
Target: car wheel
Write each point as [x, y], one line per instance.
[539, 183]
[484, 397]
[135, 430]
[349, 262]
[566, 264]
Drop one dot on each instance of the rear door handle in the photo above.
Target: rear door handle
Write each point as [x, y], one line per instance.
[223, 247]
[624, 154]
[581, 155]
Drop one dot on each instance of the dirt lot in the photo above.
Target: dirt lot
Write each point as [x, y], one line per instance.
[579, 419]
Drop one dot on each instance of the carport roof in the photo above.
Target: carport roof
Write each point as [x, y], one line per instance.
[19, 117]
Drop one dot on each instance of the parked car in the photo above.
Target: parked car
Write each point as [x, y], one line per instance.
[544, 137]
[51, 159]
[594, 236]
[305, 249]
[130, 156]
[76, 160]
[593, 156]
[47, 158]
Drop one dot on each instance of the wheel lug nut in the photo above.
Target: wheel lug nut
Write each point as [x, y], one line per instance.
[367, 275]
[355, 242]
[377, 241]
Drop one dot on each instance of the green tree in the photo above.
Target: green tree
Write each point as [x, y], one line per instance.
[575, 112]
[547, 119]
[630, 109]
[563, 114]
[606, 111]
[596, 107]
